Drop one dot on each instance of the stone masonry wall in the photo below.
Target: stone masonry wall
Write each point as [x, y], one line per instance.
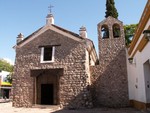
[69, 56]
[109, 78]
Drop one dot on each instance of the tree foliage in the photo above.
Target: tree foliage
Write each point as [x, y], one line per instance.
[129, 32]
[9, 78]
[111, 9]
[5, 66]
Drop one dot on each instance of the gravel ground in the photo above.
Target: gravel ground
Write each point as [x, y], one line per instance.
[7, 108]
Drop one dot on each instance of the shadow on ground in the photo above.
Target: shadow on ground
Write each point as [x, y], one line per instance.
[102, 110]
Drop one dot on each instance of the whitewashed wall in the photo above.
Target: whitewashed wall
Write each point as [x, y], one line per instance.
[136, 78]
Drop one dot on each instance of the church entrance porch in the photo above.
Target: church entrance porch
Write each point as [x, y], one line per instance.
[46, 86]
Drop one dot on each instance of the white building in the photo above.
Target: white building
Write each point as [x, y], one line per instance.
[139, 63]
[5, 86]
[3, 75]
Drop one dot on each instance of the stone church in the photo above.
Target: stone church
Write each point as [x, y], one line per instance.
[55, 66]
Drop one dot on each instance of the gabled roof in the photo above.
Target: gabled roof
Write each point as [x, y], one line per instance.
[30, 36]
[67, 31]
[62, 31]
[51, 27]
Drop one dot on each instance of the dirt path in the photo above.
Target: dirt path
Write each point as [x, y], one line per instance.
[7, 108]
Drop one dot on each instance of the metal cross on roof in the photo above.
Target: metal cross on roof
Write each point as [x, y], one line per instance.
[50, 8]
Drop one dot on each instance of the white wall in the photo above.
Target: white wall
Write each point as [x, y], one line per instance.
[147, 80]
[136, 77]
[87, 66]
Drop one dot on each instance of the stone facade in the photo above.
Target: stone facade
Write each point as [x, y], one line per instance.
[67, 73]
[74, 84]
[109, 78]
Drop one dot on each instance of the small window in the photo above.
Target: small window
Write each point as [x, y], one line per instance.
[47, 54]
[105, 31]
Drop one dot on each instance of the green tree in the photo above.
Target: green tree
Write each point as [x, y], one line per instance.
[111, 9]
[129, 32]
[5, 66]
[9, 77]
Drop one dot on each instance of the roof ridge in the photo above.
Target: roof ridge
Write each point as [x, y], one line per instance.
[57, 27]
[30, 35]
[67, 31]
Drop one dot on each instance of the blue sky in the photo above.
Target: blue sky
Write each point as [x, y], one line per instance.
[26, 16]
